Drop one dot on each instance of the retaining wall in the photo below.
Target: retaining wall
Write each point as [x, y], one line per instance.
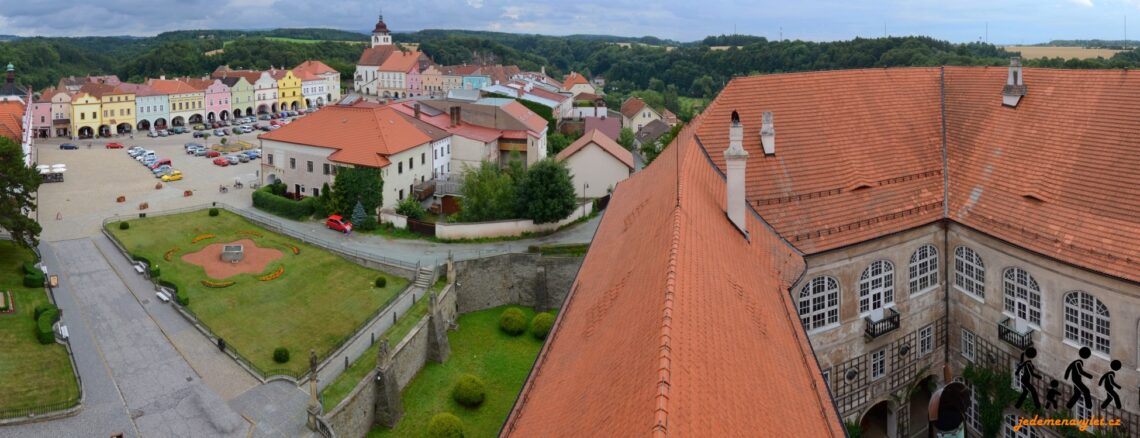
[514, 279]
[507, 228]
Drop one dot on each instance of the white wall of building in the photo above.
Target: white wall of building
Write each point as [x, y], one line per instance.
[595, 171]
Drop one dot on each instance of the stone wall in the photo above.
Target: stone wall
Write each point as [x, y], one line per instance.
[514, 279]
[354, 416]
[507, 228]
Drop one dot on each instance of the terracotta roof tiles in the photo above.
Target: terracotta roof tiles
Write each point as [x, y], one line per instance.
[631, 106]
[361, 136]
[375, 56]
[314, 67]
[400, 61]
[598, 138]
[572, 79]
[11, 114]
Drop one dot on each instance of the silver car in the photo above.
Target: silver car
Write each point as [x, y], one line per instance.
[161, 170]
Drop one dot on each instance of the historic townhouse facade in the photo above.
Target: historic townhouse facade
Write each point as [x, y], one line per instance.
[329, 74]
[265, 94]
[85, 115]
[313, 88]
[217, 98]
[151, 107]
[289, 96]
[242, 100]
[61, 122]
[187, 104]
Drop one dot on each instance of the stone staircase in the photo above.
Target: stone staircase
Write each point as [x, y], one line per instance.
[424, 277]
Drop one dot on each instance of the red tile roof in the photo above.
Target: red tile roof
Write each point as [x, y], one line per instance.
[400, 61]
[170, 86]
[610, 126]
[533, 122]
[11, 120]
[548, 95]
[1058, 174]
[632, 106]
[361, 136]
[374, 56]
[607, 144]
[314, 67]
[874, 167]
[572, 79]
[698, 338]
[225, 72]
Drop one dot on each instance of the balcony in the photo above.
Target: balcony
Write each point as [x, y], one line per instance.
[878, 327]
[1020, 337]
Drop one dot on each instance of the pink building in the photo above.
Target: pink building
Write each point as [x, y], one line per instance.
[217, 98]
[41, 114]
[415, 81]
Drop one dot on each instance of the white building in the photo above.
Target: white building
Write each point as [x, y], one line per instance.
[596, 163]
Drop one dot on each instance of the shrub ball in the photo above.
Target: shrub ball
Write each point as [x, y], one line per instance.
[513, 322]
[281, 355]
[469, 391]
[213, 212]
[445, 425]
[541, 324]
[124, 225]
[381, 282]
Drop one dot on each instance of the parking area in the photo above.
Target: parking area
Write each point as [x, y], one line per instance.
[97, 176]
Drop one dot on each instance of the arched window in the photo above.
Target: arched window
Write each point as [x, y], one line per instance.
[877, 286]
[819, 303]
[923, 269]
[969, 272]
[1086, 321]
[1022, 296]
[1008, 431]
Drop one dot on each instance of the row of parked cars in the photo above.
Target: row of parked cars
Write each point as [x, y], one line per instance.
[160, 167]
[235, 158]
[168, 132]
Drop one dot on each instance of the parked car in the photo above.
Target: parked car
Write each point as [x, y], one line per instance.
[218, 132]
[274, 123]
[163, 133]
[201, 152]
[152, 134]
[114, 145]
[174, 175]
[337, 223]
[135, 151]
[221, 161]
[265, 128]
[273, 128]
[243, 158]
[191, 145]
[161, 162]
[68, 146]
[233, 159]
[159, 171]
[225, 131]
[199, 127]
[213, 154]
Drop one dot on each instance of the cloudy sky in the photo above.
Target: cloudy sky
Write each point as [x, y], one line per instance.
[1009, 21]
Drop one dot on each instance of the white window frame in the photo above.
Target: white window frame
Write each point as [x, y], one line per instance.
[968, 345]
[923, 270]
[884, 291]
[972, 417]
[1021, 296]
[818, 304]
[969, 273]
[926, 340]
[1079, 412]
[878, 364]
[1007, 429]
[1087, 322]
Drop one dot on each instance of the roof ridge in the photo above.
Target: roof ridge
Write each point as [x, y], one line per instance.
[665, 356]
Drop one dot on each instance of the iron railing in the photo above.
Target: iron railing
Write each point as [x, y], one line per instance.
[1011, 336]
[889, 323]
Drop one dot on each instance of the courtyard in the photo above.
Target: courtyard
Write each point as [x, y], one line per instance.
[33, 376]
[300, 298]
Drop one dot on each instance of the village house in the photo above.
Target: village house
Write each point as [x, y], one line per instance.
[596, 163]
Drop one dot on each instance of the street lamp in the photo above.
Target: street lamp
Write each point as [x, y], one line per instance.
[584, 187]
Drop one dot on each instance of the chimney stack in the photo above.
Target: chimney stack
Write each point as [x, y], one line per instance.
[768, 134]
[416, 107]
[736, 158]
[1014, 88]
[162, 77]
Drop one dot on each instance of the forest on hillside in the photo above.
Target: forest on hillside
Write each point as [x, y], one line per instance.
[666, 71]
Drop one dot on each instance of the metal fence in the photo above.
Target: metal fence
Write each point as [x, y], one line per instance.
[32, 412]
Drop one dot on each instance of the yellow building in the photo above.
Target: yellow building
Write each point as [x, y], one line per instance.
[187, 104]
[117, 108]
[289, 96]
[85, 115]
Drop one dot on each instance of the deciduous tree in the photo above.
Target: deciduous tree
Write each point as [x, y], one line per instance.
[547, 192]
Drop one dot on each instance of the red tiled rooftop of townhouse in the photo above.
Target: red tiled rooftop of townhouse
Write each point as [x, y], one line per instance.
[374, 56]
[610, 126]
[631, 106]
[401, 61]
[99, 89]
[572, 79]
[170, 86]
[548, 95]
[314, 67]
[362, 136]
[305, 75]
[11, 116]
[607, 144]
[631, 353]
[524, 115]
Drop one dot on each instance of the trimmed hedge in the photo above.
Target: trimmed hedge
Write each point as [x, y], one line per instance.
[469, 391]
[213, 212]
[124, 225]
[281, 355]
[512, 322]
[182, 298]
[445, 425]
[30, 268]
[44, 324]
[41, 309]
[381, 282]
[541, 324]
[34, 280]
[264, 199]
[155, 272]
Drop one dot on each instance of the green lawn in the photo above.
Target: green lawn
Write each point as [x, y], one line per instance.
[320, 299]
[478, 348]
[31, 374]
[347, 381]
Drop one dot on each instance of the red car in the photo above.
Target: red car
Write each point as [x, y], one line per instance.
[114, 145]
[336, 222]
[213, 154]
[274, 123]
[221, 162]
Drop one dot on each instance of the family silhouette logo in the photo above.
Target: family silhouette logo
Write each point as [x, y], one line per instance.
[1075, 373]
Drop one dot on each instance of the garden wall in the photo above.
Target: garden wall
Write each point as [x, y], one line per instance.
[353, 417]
[388, 216]
[514, 279]
[506, 228]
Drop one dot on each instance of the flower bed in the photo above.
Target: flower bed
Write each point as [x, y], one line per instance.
[295, 249]
[6, 303]
[170, 254]
[277, 273]
[217, 284]
[202, 237]
[250, 233]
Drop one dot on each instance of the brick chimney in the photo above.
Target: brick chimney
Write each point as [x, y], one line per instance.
[1014, 88]
[736, 158]
[416, 107]
[768, 134]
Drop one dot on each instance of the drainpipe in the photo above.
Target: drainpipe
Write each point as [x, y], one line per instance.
[946, 288]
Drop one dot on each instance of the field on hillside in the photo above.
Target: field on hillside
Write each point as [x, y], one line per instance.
[300, 41]
[1035, 52]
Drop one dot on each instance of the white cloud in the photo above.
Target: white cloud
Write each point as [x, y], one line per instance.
[512, 12]
[475, 3]
[1085, 3]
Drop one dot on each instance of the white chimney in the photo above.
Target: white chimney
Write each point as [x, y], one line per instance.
[1014, 88]
[736, 158]
[768, 134]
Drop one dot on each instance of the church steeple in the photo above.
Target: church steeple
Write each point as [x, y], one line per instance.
[380, 34]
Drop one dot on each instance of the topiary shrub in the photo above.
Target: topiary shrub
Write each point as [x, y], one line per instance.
[512, 322]
[124, 225]
[213, 212]
[34, 279]
[281, 355]
[155, 272]
[445, 425]
[44, 324]
[182, 298]
[40, 309]
[469, 391]
[381, 282]
[541, 324]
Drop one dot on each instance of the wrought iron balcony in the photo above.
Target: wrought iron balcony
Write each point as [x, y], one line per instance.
[889, 323]
[1021, 339]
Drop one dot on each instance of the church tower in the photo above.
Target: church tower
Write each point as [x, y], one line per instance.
[380, 35]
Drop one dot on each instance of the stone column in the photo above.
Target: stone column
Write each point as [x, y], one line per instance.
[438, 347]
[389, 407]
[314, 409]
[450, 269]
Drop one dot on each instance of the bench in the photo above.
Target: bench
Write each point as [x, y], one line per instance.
[139, 268]
[63, 332]
[163, 296]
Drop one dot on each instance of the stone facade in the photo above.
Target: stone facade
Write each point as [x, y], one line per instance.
[513, 279]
